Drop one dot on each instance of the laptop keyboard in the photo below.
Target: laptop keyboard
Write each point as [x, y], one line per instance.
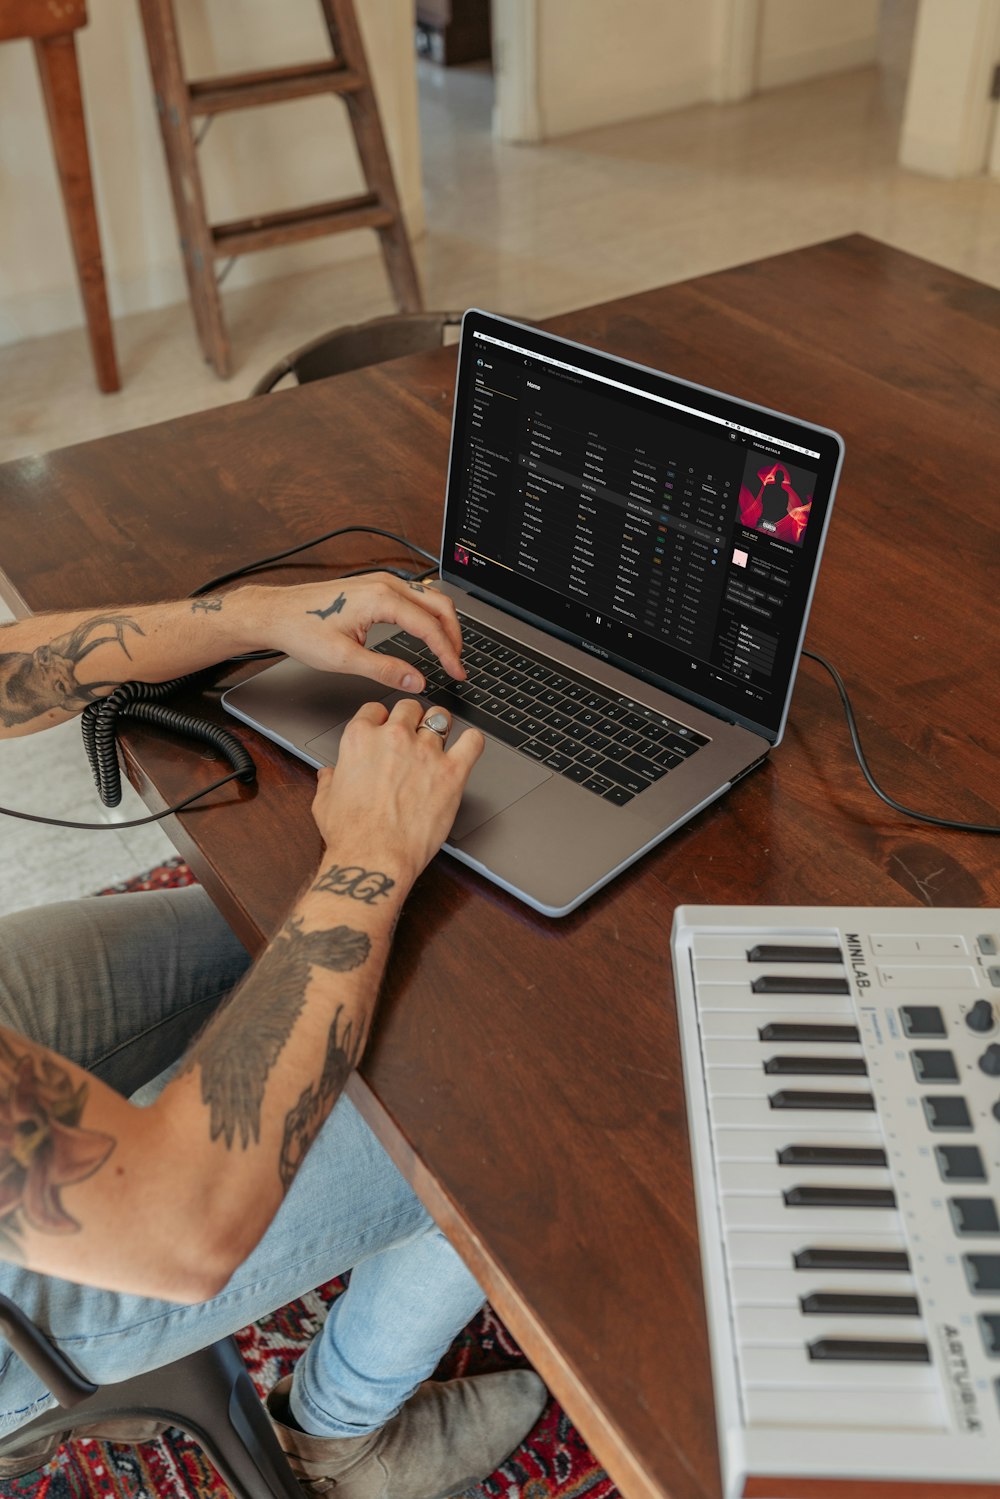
[607, 743]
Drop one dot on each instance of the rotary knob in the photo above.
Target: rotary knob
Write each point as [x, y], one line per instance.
[980, 1017]
[990, 1059]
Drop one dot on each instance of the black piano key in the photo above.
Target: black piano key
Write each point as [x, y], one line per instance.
[765, 952]
[839, 1197]
[790, 983]
[858, 1304]
[832, 1155]
[989, 1326]
[869, 1351]
[818, 1258]
[783, 1030]
[801, 1098]
[817, 1066]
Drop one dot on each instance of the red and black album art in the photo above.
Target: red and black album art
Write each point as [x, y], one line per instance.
[776, 497]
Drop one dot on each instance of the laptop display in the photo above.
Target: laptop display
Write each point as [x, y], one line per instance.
[662, 527]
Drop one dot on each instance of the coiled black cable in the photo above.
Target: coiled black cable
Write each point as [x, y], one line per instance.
[140, 700]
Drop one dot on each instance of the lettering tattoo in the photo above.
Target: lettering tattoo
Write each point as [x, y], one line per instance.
[43, 1146]
[304, 1122]
[32, 683]
[210, 604]
[241, 1044]
[360, 884]
[333, 608]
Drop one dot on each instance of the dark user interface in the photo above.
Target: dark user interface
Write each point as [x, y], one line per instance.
[671, 541]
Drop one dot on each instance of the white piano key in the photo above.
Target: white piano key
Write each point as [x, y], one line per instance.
[725, 971]
[791, 1124]
[770, 1178]
[752, 1285]
[922, 1410]
[767, 1212]
[776, 1248]
[789, 1325]
[763, 1144]
[784, 1365]
[740, 1082]
[743, 1024]
[839, 1008]
[753, 1053]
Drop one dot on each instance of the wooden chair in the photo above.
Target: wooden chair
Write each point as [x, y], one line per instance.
[209, 1394]
[50, 28]
[354, 347]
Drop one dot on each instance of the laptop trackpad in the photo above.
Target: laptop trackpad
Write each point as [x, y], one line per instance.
[500, 778]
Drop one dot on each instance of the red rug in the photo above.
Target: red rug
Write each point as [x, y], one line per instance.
[553, 1463]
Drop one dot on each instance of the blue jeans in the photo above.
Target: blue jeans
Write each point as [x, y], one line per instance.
[120, 985]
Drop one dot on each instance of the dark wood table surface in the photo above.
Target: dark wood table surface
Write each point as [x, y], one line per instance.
[523, 1072]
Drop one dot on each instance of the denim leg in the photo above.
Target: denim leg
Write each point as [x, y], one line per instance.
[119, 984]
[122, 991]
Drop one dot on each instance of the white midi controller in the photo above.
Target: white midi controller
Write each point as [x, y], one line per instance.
[842, 1072]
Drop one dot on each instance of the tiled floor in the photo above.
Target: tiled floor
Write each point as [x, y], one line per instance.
[525, 230]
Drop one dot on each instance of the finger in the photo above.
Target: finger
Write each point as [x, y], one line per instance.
[375, 713]
[388, 670]
[400, 607]
[439, 605]
[467, 748]
[408, 714]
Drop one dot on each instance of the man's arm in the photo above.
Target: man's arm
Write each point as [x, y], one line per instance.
[53, 665]
[166, 1201]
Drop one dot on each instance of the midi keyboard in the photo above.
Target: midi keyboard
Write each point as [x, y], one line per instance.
[842, 1073]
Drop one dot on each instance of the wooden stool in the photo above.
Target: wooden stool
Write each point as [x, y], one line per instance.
[50, 25]
[179, 101]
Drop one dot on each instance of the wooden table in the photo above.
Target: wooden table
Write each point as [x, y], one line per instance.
[523, 1072]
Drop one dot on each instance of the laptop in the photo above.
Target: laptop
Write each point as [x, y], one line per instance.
[632, 558]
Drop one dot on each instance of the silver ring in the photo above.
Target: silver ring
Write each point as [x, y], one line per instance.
[437, 723]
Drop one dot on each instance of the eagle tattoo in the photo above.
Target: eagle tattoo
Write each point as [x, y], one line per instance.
[244, 1040]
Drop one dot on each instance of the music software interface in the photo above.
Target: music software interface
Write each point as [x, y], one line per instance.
[673, 539]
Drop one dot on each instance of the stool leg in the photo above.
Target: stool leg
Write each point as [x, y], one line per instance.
[60, 76]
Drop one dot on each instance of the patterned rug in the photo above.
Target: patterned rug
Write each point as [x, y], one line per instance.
[553, 1463]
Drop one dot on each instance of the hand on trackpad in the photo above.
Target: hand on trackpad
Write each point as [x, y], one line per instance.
[500, 777]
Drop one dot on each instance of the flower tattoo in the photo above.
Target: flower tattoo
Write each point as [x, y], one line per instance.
[43, 1147]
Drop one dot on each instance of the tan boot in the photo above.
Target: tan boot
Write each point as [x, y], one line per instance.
[446, 1438]
[31, 1457]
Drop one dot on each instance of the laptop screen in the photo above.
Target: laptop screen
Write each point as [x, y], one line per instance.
[666, 528]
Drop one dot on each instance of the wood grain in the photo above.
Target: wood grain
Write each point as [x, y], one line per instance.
[525, 1073]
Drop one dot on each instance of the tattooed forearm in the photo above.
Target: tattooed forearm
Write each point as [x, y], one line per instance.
[43, 1147]
[360, 884]
[243, 1041]
[333, 608]
[210, 604]
[32, 684]
[304, 1122]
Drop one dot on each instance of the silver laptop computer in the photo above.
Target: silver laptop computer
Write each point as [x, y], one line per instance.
[632, 558]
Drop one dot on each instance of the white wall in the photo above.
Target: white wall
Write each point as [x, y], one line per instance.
[254, 160]
[806, 38]
[566, 65]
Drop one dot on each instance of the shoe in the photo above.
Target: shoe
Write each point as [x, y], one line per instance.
[125, 1429]
[447, 1437]
[30, 1458]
